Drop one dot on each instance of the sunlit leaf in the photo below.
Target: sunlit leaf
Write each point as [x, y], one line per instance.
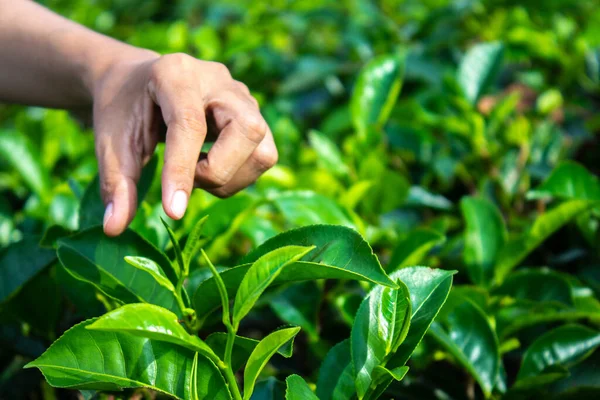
[298, 389]
[88, 359]
[260, 275]
[479, 68]
[261, 355]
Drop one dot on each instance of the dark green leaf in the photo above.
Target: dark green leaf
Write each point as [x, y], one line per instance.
[546, 224]
[269, 389]
[299, 305]
[485, 236]
[563, 346]
[537, 285]
[336, 381]
[471, 340]
[414, 248]
[94, 257]
[19, 263]
[261, 355]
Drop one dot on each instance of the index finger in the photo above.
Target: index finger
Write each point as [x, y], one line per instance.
[182, 108]
[242, 129]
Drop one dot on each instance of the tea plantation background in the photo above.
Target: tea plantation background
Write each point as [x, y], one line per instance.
[478, 154]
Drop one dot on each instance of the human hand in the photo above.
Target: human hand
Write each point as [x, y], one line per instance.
[136, 97]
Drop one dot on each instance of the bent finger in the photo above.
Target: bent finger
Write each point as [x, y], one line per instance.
[264, 157]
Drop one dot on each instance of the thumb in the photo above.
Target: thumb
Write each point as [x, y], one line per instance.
[119, 170]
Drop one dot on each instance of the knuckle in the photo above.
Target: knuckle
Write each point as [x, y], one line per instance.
[220, 69]
[181, 60]
[242, 87]
[255, 127]
[170, 64]
[190, 120]
[265, 157]
[212, 177]
[223, 193]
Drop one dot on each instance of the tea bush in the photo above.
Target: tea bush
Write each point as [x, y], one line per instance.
[431, 230]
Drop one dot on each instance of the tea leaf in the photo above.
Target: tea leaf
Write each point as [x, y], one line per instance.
[565, 345]
[485, 235]
[479, 68]
[471, 340]
[149, 266]
[375, 93]
[262, 354]
[153, 322]
[298, 389]
[88, 359]
[260, 275]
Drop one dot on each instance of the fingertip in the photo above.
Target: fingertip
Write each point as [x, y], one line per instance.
[177, 204]
[120, 210]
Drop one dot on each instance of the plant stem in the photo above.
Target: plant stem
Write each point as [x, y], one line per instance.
[229, 345]
[231, 382]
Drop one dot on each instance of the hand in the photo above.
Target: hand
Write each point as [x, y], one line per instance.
[135, 98]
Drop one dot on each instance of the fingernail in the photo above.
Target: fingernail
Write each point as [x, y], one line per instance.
[107, 214]
[179, 203]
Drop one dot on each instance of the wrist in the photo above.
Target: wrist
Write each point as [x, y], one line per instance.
[99, 65]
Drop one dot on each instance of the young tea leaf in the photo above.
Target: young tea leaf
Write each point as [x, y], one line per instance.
[375, 93]
[194, 242]
[180, 266]
[298, 389]
[428, 290]
[242, 348]
[380, 326]
[153, 322]
[149, 266]
[479, 68]
[260, 275]
[262, 354]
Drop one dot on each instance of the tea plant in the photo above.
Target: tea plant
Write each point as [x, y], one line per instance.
[150, 340]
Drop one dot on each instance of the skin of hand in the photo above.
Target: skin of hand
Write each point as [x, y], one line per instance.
[138, 98]
[135, 99]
